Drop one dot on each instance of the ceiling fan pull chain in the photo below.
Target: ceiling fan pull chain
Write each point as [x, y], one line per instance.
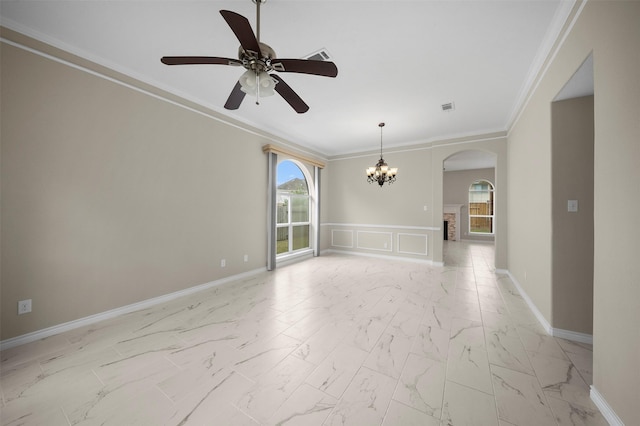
[258, 85]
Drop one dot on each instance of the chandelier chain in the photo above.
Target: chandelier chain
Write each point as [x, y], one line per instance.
[381, 125]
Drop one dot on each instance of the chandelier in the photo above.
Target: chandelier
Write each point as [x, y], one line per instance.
[381, 172]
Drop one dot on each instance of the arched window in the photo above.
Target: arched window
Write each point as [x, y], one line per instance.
[293, 210]
[481, 207]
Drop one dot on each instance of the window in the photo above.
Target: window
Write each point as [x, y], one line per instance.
[293, 209]
[481, 207]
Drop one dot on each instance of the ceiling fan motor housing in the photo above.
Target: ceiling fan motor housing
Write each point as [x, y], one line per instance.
[259, 63]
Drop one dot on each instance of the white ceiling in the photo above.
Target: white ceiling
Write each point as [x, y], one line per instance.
[398, 61]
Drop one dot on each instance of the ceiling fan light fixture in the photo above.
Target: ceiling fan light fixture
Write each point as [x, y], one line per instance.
[251, 80]
[259, 60]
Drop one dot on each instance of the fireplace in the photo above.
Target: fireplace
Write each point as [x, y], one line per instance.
[451, 216]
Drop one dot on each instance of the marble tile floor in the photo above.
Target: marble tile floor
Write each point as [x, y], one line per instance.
[335, 340]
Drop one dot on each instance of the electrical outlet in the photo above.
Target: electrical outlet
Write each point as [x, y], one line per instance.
[24, 306]
[246, 257]
[223, 263]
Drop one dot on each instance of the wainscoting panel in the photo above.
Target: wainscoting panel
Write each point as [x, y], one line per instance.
[404, 241]
[342, 238]
[375, 240]
[412, 243]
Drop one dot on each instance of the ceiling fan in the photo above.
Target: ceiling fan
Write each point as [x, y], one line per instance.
[260, 61]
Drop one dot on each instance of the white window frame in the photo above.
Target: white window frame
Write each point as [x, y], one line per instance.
[291, 224]
[492, 190]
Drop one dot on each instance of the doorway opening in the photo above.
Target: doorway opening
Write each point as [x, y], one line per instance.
[468, 200]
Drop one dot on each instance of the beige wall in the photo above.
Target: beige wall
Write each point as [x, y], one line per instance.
[609, 30]
[355, 200]
[572, 232]
[110, 196]
[394, 209]
[398, 208]
[456, 191]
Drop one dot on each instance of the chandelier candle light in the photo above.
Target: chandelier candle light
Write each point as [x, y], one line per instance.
[381, 172]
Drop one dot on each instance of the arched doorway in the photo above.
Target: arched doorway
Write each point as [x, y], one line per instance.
[468, 199]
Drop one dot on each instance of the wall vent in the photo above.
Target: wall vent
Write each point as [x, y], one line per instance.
[320, 55]
[450, 106]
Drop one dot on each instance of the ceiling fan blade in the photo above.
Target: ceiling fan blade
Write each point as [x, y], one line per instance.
[191, 60]
[290, 96]
[242, 29]
[306, 66]
[235, 98]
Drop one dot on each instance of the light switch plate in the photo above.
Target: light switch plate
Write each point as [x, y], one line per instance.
[572, 206]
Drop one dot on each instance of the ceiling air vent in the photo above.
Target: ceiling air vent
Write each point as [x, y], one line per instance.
[320, 55]
[448, 107]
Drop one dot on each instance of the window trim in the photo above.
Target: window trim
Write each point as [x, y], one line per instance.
[492, 191]
[311, 168]
[290, 225]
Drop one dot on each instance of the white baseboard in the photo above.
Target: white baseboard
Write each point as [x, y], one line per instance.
[555, 332]
[607, 412]
[605, 409]
[572, 335]
[92, 319]
[541, 319]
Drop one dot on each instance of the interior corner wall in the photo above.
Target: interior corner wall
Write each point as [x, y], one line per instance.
[609, 30]
[111, 196]
[456, 191]
[529, 206]
[572, 241]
